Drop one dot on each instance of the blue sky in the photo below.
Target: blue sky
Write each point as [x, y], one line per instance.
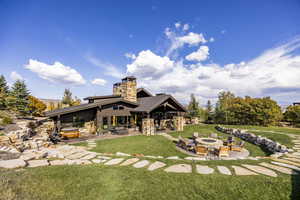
[178, 47]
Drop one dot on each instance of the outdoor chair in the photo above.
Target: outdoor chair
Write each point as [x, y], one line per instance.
[195, 135]
[201, 150]
[223, 151]
[238, 147]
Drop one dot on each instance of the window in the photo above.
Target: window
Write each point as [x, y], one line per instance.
[115, 107]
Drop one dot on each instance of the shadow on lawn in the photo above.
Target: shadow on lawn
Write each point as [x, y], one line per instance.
[295, 195]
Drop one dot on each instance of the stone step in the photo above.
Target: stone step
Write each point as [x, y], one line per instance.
[240, 171]
[292, 156]
[37, 163]
[129, 161]
[97, 161]
[14, 163]
[224, 170]
[286, 161]
[278, 168]
[156, 165]
[141, 164]
[58, 162]
[89, 156]
[286, 165]
[114, 161]
[293, 159]
[203, 169]
[179, 168]
[261, 170]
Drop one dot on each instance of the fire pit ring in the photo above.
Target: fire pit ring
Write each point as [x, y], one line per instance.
[209, 142]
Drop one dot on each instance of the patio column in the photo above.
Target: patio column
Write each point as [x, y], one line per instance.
[58, 123]
[99, 119]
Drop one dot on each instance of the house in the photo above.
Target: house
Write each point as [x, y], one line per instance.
[296, 103]
[127, 107]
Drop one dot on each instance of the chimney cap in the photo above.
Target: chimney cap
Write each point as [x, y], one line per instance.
[129, 78]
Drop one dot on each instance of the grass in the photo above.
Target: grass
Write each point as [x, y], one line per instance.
[154, 146]
[103, 182]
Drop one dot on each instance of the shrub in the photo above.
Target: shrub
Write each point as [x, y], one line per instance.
[7, 120]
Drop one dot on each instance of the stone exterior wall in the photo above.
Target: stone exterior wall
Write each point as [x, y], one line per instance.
[178, 123]
[127, 89]
[117, 89]
[148, 126]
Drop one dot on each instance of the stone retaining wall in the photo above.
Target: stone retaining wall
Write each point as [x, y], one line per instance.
[264, 142]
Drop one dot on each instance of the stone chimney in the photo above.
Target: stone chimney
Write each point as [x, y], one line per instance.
[117, 89]
[128, 86]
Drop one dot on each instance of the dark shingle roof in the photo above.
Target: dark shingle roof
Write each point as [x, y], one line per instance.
[147, 104]
[86, 106]
[143, 90]
[103, 97]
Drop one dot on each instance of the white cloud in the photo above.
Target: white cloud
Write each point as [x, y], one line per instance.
[15, 76]
[56, 72]
[274, 73]
[98, 81]
[212, 39]
[191, 39]
[177, 24]
[149, 64]
[185, 27]
[200, 55]
[110, 69]
[130, 55]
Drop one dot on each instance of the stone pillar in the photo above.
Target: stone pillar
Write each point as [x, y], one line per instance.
[58, 123]
[178, 123]
[99, 119]
[148, 126]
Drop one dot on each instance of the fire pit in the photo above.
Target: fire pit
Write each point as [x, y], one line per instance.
[209, 142]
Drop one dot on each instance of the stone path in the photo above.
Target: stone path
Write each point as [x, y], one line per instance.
[179, 168]
[74, 155]
[224, 170]
[156, 165]
[261, 170]
[278, 168]
[129, 161]
[201, 169]
[141, 164]
[240, 171]
[114, 161]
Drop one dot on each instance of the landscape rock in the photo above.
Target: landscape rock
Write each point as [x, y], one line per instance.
[122, 154]
[173, 158]
[58, 162]
[10, 164]
[37, 163]
[286, 165]
[194, 158]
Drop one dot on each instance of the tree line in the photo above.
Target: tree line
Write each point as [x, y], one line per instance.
[18, 98]
[231, 109]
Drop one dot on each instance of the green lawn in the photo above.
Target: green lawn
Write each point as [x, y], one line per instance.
[147, 145]
[102, 182]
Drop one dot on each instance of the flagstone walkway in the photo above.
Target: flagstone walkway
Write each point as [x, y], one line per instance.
[75, 155]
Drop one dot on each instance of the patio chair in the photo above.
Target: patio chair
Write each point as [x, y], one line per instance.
[195, 135]
[201, 150]
[238, 147]
[223, 151]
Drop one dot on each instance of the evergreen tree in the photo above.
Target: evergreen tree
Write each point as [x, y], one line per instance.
[20, 97]
[67, 98]
[3, 92]
[209, 112]
[193, 107]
